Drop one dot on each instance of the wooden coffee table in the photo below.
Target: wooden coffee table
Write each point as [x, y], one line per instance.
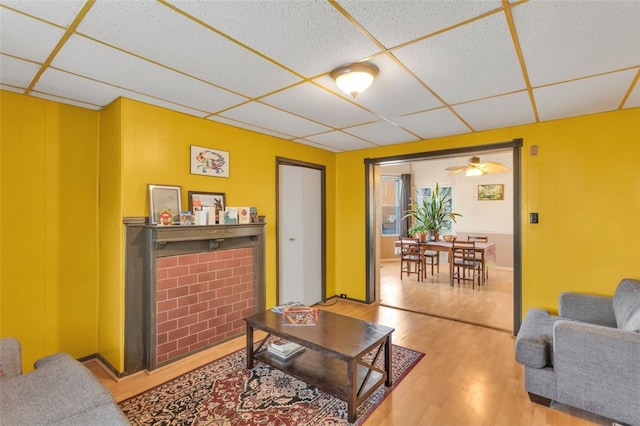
[333, 361]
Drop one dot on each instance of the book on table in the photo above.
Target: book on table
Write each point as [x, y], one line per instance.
[284, 349]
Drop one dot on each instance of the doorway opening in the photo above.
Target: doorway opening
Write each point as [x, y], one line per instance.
[383, 271]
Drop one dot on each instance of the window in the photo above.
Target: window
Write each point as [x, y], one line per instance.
[425, 192]
[390, 202]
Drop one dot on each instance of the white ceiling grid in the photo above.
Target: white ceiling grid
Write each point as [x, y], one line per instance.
[446, 67]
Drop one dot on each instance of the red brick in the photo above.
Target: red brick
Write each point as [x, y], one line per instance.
[161, 274]
[239, 306]
[198, 307]
[166, 262]
[223, 292]
[188, 259]
[232, 298]
[188, 320]
[178, 271]
[206, 315]
[166, 305]
[206, 296]
[178, 313]
[198, 268]
[198, 327]
[216, 266]
[223, 328]
[178, 352]
[175, 293]
[233, 280]
[216, 284]
[162, 338]
[216, 322]
[166, 348]
[161, 295]
[223, 310]
[239, 288]
[161, 317]
[187, 300]
[179, 333]
[166, 283]
[187, 340]
[161, 358]
[207, 334]
[207, 276]
[233, 316]
[198, 287]
[197, 345]
[232, 263]
[226, 254]
[247, 311]
[205, 257]
[185, 280]
[223, 273]
[165, 327]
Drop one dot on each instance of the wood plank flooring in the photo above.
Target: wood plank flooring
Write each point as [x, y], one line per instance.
[468, 376]
[490, 305]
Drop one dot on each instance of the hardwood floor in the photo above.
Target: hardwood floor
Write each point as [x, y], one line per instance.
[467, 377]
[490, 305]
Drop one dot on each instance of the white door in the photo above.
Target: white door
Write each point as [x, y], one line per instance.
[300, 234]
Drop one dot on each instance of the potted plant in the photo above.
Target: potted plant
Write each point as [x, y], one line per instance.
[429, 215]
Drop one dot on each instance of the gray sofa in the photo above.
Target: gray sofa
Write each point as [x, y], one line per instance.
[60, 391]
[588, 356]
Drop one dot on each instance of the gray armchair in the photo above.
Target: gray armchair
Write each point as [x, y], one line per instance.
[588, 356]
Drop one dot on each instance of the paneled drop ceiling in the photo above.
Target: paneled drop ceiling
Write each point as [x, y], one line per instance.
[446, 67]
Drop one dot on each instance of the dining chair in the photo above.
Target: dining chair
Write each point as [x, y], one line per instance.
[465, 262]
[479, 256]
[430, 257]
[410, 259]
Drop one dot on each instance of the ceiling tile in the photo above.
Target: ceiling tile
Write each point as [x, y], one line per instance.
[25, 37]
[382, 132]
[156, 32]
[245, 126]
[290, 32]
[97, 61]
[474, 61]
[65, 101]
[315, 145]
[16, 72]
[315, 103]
[393, 92]
[580, 97]
[634, 97]
[561, 41]
[433, 124]
[392, 25]
[339, 141]
[271, 118]
[60, 12]
[11, 89]
[501, 111]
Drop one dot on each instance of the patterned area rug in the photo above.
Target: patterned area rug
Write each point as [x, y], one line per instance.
[225, 393]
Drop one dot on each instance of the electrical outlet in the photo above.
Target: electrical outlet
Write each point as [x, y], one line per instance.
[533, 217]
[343, 296]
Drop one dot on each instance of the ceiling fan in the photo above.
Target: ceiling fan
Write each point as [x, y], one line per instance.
[476, 168]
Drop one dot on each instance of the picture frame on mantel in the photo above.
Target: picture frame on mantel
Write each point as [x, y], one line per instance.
[164, 198]
[199, 199]
[209, 161]
[493, 192]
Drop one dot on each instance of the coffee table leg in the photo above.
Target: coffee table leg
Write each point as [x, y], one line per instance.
[249, 347]
[388, 360]
[352, 371]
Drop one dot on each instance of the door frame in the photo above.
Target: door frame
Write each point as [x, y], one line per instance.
[372, 263]
[282, 161]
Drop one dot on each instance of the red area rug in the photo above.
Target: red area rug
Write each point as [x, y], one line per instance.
[225, 393]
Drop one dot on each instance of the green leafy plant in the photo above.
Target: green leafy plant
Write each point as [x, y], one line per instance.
[430, 214]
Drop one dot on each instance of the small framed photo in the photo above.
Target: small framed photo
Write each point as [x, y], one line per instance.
[492, 192]
[209, 161]
[165, 204]
[199, 199]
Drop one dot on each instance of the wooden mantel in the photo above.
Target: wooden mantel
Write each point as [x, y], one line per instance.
[145, 244]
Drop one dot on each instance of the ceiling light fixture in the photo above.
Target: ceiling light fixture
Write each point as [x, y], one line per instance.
[354, 79]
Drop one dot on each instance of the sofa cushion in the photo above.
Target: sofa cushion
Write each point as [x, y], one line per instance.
[534, 344]
[626, 305]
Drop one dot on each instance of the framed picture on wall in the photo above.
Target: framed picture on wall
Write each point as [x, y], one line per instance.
[165, 201]
[491, 192]
[209, 161]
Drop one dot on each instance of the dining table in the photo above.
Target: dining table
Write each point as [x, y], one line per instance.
[486, 250]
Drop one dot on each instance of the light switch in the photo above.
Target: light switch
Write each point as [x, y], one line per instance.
[533, 217]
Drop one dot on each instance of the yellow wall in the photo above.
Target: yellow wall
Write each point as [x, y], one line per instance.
[584, 184]
[49, 265]
[62, 252]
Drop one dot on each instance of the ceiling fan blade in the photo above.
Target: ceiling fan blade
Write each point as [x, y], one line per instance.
[493, 167]
[455, 169]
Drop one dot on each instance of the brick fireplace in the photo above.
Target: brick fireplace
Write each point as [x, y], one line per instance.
[188, 288]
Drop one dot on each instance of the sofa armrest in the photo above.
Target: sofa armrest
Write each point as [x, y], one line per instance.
[596, 369]
[587, 308]
[10, 357]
